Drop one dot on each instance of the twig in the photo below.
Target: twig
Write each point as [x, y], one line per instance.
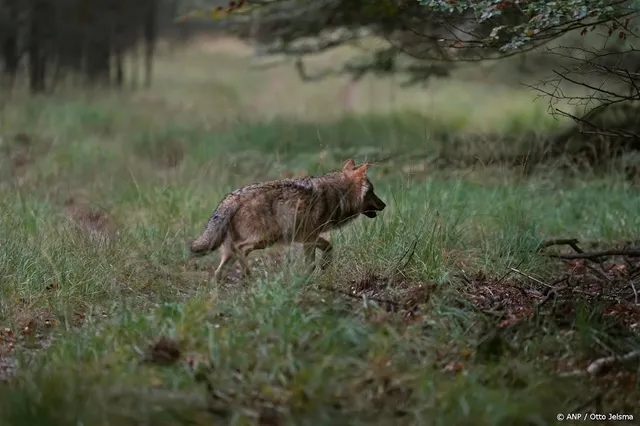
[530, 277]
[598, 131]
[554, 290]
[596, 254]
[558, 280]
[635, 292]
[571, 242]
[506, 274]
[546, 298]
[598, 365]
[602, 275]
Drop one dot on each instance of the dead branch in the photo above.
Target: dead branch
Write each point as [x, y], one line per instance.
[598, 129]
[549, 296]
[596, 255]
[597, 366]
[552, 289]
[581, 254]
[572, 242]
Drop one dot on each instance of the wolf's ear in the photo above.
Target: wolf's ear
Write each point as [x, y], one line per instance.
[362, 170]
[349, 165]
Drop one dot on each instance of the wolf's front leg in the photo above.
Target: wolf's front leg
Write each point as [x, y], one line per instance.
[327, 252]
[310, 255]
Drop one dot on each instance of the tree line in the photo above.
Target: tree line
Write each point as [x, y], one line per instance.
[88, 41]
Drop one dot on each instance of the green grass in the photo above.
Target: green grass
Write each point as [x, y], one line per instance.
[406, 327]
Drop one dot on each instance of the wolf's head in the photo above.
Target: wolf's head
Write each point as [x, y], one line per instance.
[369, 203]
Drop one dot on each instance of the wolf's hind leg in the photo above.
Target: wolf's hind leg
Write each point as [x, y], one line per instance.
[244, 263]
[227, 257]
[244, 248]
[310, 255]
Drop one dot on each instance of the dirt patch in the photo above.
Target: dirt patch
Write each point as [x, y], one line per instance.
[599, 277]
[507, 300]
[394, 299]
[602, 291]
[513, 300]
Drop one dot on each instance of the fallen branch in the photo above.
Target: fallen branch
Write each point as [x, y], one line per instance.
[597, 366]
[553, 290]
[596, 254]
[571, 242]
[558, 280]
[600, 364]
[546, 299]
[581, 254]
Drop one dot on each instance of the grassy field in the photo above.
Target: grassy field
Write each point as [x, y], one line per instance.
[442, 311]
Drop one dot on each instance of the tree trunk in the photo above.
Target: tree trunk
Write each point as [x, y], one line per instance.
[150, 35]
[98, 62]
[10, 55]
[119, 32]
[9, 42]
[98, 33]
[37, 47]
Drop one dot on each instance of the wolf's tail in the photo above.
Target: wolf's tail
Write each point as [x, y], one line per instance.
[215, 231]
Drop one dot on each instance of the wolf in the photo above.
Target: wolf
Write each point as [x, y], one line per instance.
[284, 211]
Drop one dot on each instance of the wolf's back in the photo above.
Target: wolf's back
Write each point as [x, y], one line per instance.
[216, 229]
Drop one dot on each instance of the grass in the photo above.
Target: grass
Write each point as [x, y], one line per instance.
[430, 314]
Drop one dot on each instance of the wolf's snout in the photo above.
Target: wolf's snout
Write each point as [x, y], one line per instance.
[375, 205]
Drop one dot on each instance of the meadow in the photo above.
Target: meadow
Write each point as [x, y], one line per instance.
[447, 309]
